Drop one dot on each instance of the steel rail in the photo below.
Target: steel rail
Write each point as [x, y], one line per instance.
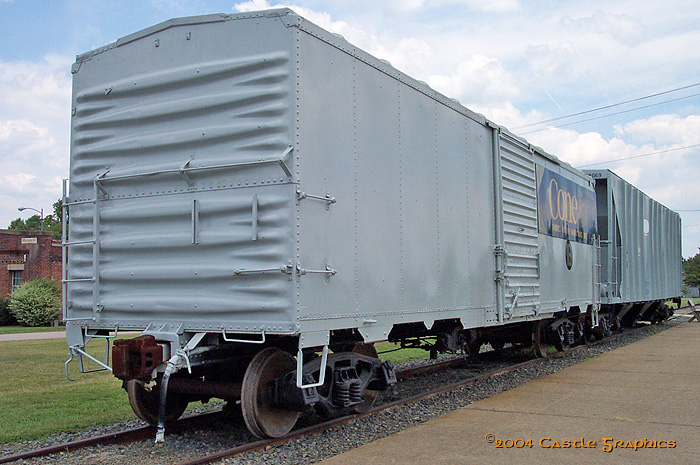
[117, 437]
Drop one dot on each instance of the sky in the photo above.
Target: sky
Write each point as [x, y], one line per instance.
[517, 62]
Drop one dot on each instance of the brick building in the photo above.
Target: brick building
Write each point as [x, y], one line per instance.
[26, 256]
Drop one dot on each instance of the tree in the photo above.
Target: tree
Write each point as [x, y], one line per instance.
[691, 271]
[52, 223]
[58, 209]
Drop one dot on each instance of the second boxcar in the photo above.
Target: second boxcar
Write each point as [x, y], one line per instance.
[641, 256]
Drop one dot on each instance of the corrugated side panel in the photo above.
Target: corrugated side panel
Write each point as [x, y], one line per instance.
[519, 186]
[193, 212]
[651, 245]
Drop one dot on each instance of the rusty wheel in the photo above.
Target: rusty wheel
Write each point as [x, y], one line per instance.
[540, 346]
[145, 403]
[473, 348]
[370, 395]
[262, 418]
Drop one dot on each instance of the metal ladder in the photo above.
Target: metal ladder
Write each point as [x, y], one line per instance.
[597, 278]
[79, 350]
[66, 244]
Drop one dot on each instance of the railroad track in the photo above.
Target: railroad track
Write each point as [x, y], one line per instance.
[334, 423]
[119, 437]
[148, 432]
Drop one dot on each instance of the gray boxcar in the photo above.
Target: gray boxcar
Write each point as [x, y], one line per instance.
[640, 243]
[259, 178]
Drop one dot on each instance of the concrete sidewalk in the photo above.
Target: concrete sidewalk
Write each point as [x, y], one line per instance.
[47, 335]
[645, 393]
[30, 336]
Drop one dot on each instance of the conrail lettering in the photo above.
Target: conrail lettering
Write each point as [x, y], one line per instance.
[566, 204]
[565, 209]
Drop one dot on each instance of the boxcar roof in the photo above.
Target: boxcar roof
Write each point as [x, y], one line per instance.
[336, 40]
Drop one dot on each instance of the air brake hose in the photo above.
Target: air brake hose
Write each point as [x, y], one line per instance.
[172, 367]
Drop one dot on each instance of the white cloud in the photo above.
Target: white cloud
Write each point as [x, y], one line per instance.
[551, 62]
[477, 79]
[496, 6]
[10, 129]
[586, 148]
[252, 5]
[169, 5]
[620, 27]
[19, 182]
[353, 34]
[34, 133]
[406, 5]
[23, 143]
[663, 129]
[36, 90]
[507, 115]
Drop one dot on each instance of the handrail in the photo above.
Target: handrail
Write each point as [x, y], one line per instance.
[248, 341]
[184, 169]
[64, 253]
[322, 369]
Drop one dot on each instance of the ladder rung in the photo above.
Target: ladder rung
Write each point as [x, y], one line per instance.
[80, 202]
[68, 244]
[78, 280]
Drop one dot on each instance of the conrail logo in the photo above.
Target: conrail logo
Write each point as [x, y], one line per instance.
[562, 204]
[569, 253]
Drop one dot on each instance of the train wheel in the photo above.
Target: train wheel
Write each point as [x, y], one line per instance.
[370, 395]
[262, 418]
[145, 404]
[588, 337]
[540, 347]
[606, 326]
[473, 348]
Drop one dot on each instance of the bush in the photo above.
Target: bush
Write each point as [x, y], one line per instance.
[36, 303]
[6, 317]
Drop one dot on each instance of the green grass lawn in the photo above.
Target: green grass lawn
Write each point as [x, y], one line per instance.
[36, 399]
[399, 356]
[684, 302]
[26, 329]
